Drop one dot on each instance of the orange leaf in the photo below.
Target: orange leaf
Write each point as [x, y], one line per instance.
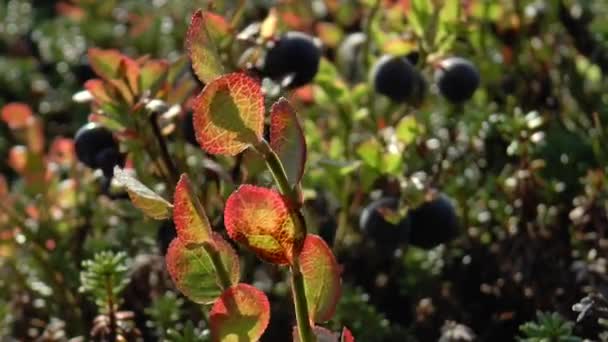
[240, 314]
[202, 41]
[259, 219]
[129, 69]
[190, 227]
[153, 74]
[287, 139]
[321, 278]
[16, 114]
[192, 270]
[229, 114]
[98, 90]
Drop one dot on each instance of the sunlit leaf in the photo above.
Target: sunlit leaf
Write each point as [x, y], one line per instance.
[153, 205]
[192, 270]
[153, 73]
[259, 219]
[98, 90]
[202, 42]
[241, 314]
[129, 70]
[229, 114]
[370, 152]
[407, 129]
[190, 226]
[16, 114]
[321, 278]
[287, 139]
[105, 63]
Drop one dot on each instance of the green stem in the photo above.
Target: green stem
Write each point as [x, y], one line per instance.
[221, 271]
[300, 302]
[297, 281]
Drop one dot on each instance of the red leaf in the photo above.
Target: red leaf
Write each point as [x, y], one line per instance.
[192, 270]
[259, 219]
[240, 314]
[129, 70]
[202, 41]
[287, 139]
[347, 336]
[321, 278]
[16, 114]
[229, 114]
[190, 227]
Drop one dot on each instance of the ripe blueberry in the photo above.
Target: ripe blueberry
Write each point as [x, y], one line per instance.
[433, 223]
[457, 79]
[374, 224]
[396, 78]
[350, 57]
[89, 140]
[294, 55]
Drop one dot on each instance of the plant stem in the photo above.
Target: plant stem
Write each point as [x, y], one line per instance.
[111, 313]
[297, 281]
[300, 302]
[164, 152]
[222, 273]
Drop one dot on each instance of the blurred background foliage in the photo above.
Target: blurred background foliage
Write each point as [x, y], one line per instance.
[524, 163]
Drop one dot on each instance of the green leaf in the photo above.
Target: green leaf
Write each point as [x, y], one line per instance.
[192, 270]
[321, 278]
[202, 42]
[152, 204]
[407, 129]
[242, 313]
[371, 153]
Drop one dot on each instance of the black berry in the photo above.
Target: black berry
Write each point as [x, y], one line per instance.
[395, 77]
[90, 140]
[107, 158]
[294, 55]
[457, 79]
[350, 57]
[374, 224]
[165, 234]
[433, 223]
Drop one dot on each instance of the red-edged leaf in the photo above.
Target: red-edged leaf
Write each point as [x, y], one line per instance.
[129, 70]
[98, 90]
[191, 228]
[105, 63]
[321, 278]
[229, 114]
[347, 336]
[287, 139]
[193, 272]
[16, 114]
[259, 219]
[240, 314]
[152, 74]
[322, 334]
[202, 42]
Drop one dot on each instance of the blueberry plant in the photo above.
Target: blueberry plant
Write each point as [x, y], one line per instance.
[405, 170]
